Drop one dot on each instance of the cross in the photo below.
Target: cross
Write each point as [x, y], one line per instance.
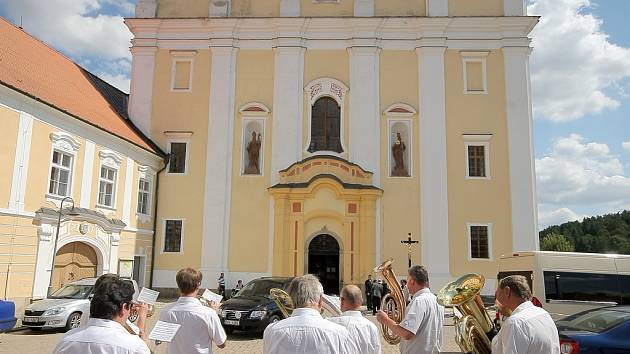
[409, 244]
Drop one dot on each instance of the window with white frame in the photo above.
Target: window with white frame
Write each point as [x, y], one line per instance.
[173, 232]
[60, 174]
[107, 186]
[178, 159]
[479, 238]
[477, 152]
[144, 192]
[474, 65]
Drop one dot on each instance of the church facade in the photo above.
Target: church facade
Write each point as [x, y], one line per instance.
[312, 136]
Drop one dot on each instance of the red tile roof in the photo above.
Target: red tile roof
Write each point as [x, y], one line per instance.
[35, 69]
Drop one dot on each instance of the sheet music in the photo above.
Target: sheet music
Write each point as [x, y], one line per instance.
[210, 296]
[148, 296]
[164, 331]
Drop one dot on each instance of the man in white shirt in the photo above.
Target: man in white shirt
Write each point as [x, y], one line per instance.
[305, 331]
[421, 329]
[200, 325]
[528, 329]
[104, 333]
[362, 331]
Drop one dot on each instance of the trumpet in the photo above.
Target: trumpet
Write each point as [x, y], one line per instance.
[133, 316]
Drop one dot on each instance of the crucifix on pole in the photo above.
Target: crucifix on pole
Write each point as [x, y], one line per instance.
[409, 242]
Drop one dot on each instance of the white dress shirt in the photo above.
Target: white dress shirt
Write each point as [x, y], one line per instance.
[362, 331]
[101, 337]
[528, 330]
[306, 332]
[200, 326]
[424, 318]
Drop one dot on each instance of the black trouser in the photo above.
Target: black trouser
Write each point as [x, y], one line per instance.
[376, 304]
[368, 302]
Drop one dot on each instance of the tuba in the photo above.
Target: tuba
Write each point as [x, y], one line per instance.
[393, 304]
[473, 327]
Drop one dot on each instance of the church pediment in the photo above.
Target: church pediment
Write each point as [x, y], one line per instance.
[303, 173]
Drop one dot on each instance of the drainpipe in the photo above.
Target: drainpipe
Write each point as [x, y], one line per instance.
[167, 159]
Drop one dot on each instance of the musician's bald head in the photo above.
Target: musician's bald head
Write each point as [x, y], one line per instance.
[351, 298]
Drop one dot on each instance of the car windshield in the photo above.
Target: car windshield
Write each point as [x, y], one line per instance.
[597, 321]
[72, 291]
[259, 287]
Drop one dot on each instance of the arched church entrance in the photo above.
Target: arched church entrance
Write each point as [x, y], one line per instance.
[323, 261]
[74, 261]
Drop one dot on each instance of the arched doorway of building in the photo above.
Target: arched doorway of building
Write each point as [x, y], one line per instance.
[74, 261]
[323, 261]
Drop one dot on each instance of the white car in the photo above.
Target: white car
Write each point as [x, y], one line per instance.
[65, 307]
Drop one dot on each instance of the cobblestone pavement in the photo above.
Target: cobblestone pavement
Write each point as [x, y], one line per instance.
[30, 342]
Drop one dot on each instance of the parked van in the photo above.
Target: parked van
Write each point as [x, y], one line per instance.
[567, 282]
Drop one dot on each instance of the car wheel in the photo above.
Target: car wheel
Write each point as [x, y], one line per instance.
[274, 319]
[74, 321]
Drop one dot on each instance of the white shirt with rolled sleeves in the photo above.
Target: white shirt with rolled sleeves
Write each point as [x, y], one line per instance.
[306, 332]
[101, 337]
[362, 331]
[200, 326]
[528, 330]
[424, 318]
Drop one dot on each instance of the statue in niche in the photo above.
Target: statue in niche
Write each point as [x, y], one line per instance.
[398, 150]
[253, 152]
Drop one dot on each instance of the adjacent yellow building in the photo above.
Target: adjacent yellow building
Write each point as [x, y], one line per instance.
[312, 136]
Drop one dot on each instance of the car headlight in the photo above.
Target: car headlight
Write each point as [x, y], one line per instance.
[54, 311]
[258, 314]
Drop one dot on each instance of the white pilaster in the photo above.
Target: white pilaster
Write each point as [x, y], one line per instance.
[433, 166]
[364, 121]
[288, 105]
[128, 192]
[363, 8]
[514, 8]
[522, 170]
[289, 8]
[141, 94]
[437, 7]
[20, 164]
[216, 214]
[86, 178]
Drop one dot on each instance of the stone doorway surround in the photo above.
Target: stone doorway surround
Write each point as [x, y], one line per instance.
[325, 195]
[89, 227]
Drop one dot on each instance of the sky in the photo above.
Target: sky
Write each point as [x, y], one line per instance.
[580, 71]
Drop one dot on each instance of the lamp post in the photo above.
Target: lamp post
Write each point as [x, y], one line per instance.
[52, 267]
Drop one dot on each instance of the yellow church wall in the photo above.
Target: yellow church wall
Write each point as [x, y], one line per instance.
[400, 8]
[8, 140]
[256, 8]
[477, 201]
[250, 199]
[310, 8]
[333, 64]
[18, 252]
[475, 7]
[183, 8]
[400, 204]
[187, 112]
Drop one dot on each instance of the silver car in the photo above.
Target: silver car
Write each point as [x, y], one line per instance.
[65, 307]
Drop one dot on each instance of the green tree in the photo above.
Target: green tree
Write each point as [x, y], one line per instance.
[556, 242]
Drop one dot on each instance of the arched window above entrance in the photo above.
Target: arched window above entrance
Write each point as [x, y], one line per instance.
[324, 244]
[325, 126]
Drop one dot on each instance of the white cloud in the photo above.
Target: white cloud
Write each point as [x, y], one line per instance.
[574, 62]
[581, 175]
[626, 145]
[120, 81]
[557, 217]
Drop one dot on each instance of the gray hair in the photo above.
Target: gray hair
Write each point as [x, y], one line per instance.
[352, 293]
[518, 286]
[305, 291]
[419, 274]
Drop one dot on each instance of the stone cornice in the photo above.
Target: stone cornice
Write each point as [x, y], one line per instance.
[334, 32]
